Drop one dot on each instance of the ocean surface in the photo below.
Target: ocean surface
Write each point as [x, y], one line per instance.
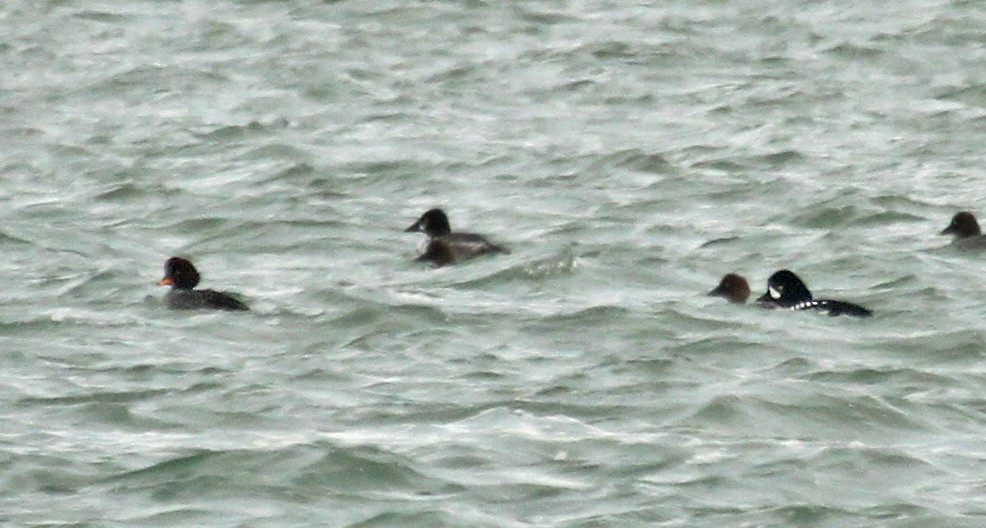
[629, 154]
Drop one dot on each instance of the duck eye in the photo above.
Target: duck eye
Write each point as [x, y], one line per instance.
[775, 293]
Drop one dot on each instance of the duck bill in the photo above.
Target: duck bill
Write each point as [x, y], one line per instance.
[165, 282]
[718, 292]
[766, 299]
[947, 231]
[414, 227]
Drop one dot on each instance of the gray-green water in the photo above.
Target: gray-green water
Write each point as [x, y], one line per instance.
[628, 154]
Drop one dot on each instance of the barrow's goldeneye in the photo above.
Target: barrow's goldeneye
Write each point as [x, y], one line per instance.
[182, 276]
[966, 231]
[786, 291]
[733, 287]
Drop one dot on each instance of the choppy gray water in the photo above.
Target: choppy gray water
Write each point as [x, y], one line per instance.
[628, 154]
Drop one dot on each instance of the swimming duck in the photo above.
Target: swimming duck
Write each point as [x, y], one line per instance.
[435, 224]
[786, 291]
[733, 287]
[965, 230]
[182, 276]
